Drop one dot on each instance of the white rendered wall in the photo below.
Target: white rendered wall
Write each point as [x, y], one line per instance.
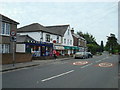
[34, 35]
[20, 47]
[68, 37]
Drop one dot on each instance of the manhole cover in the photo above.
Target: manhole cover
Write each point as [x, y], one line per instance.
[80, 63]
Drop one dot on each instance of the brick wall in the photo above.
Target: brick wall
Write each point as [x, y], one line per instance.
[19, 57]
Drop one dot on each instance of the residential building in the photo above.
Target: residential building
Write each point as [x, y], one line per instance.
[79, 42]
[60, 35]
[27, 44]
[65, 44]
[6, 26]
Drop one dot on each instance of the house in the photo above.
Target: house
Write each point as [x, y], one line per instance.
[59, 35]
[27, 44]
[79, 42]
[41, 35]
[64, 44]
[6, 26]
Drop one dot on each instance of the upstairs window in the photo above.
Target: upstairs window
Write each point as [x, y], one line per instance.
[5, 28]
[70, 42]
[57, 39]
[47, 37]
[64, 41]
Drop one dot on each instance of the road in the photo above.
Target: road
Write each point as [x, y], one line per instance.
[73, 73]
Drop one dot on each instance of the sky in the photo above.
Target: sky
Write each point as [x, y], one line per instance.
[97, 18]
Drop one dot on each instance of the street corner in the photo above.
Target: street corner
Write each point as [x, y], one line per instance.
[80, 63]
[105, 64]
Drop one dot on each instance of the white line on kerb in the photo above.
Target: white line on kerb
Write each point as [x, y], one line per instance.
[56, 76]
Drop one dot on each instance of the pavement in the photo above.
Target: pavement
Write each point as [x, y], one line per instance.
[8, 67]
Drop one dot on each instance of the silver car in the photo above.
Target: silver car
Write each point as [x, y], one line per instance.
[81, 55]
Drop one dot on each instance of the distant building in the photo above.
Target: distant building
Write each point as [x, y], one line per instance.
[6, 26]
[79, 42]
[64, 44]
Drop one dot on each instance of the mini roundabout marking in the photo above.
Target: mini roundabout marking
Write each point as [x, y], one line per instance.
[80, 63]
[105, 64]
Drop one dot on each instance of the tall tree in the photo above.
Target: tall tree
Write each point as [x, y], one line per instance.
[92, 45]
[101, 47]
[111, 44]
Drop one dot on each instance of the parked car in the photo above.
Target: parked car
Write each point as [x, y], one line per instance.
[82, 55]
[89, 55]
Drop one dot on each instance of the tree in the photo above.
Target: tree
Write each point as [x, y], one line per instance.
[92, 45]
[101, 47]
[111, 44]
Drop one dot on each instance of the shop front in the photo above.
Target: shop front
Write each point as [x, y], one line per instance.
[71, 49]
[39, 49]
[59, 49]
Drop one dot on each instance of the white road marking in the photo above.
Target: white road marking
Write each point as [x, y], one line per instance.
[37, 82]
[98, 61]
[87, 65]
[57, 76]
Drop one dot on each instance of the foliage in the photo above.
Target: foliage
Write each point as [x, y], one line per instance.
[101, 47]
[111, 44]
[92, 45]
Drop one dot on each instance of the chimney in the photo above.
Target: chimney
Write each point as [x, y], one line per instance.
[72, 31]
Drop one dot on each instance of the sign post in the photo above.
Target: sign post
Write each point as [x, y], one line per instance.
[13, 39]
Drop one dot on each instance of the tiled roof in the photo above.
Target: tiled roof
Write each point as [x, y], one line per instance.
[35, 27]
[59, 29]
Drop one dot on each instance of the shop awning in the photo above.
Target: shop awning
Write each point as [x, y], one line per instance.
[67, 47]
[71, 47]
[59, 48]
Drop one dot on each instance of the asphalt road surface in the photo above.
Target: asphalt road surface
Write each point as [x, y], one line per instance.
[97, 72]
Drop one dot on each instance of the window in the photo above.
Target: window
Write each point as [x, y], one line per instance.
[79, 42]
[70, 42]
[4, 48]
[47, 37]
[5, 28]
[64, 41]
[57, 39]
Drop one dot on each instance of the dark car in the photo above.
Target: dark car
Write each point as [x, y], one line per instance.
[89, 54]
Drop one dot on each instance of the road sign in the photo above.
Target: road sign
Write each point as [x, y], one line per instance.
[13, 33]
[13, 38]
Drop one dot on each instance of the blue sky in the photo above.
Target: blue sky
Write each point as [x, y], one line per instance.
[97, 18]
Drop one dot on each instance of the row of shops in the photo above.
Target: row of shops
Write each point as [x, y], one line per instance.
[46, 49]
